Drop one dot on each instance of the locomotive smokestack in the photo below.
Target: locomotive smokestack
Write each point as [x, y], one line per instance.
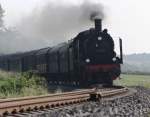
[98, 24]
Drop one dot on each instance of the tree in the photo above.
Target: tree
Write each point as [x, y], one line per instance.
[1, 17]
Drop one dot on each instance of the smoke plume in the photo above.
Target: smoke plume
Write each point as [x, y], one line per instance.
[55, 23]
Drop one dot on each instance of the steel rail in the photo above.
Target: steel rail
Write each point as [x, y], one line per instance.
[18, 105]
[109, 93]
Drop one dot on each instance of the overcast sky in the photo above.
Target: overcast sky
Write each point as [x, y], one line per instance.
[128, 19]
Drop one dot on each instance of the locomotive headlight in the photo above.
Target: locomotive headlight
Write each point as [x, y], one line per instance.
[114, 59]
[99, 38]
[87, 60]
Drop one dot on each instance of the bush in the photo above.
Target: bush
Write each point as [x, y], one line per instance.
[21, 84]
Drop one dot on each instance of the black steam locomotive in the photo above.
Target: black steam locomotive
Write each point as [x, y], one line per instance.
[87, 59]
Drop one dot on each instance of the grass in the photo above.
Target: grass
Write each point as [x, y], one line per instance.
[19, 85]
[134, 80]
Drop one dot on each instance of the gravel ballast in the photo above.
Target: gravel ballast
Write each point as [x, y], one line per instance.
[135, 105]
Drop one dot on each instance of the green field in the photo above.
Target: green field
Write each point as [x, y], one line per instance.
[134, 80]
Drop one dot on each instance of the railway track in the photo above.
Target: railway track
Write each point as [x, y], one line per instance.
[27, 104]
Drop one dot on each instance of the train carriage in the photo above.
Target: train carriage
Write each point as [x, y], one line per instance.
[15, 63]
[42, 60]
[4, 63]
[29, 61]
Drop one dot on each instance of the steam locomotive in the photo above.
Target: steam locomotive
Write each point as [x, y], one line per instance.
[87, 59]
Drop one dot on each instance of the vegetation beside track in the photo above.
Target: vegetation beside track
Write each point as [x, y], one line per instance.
[21, 84]
[27, 84]
[134, 80]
